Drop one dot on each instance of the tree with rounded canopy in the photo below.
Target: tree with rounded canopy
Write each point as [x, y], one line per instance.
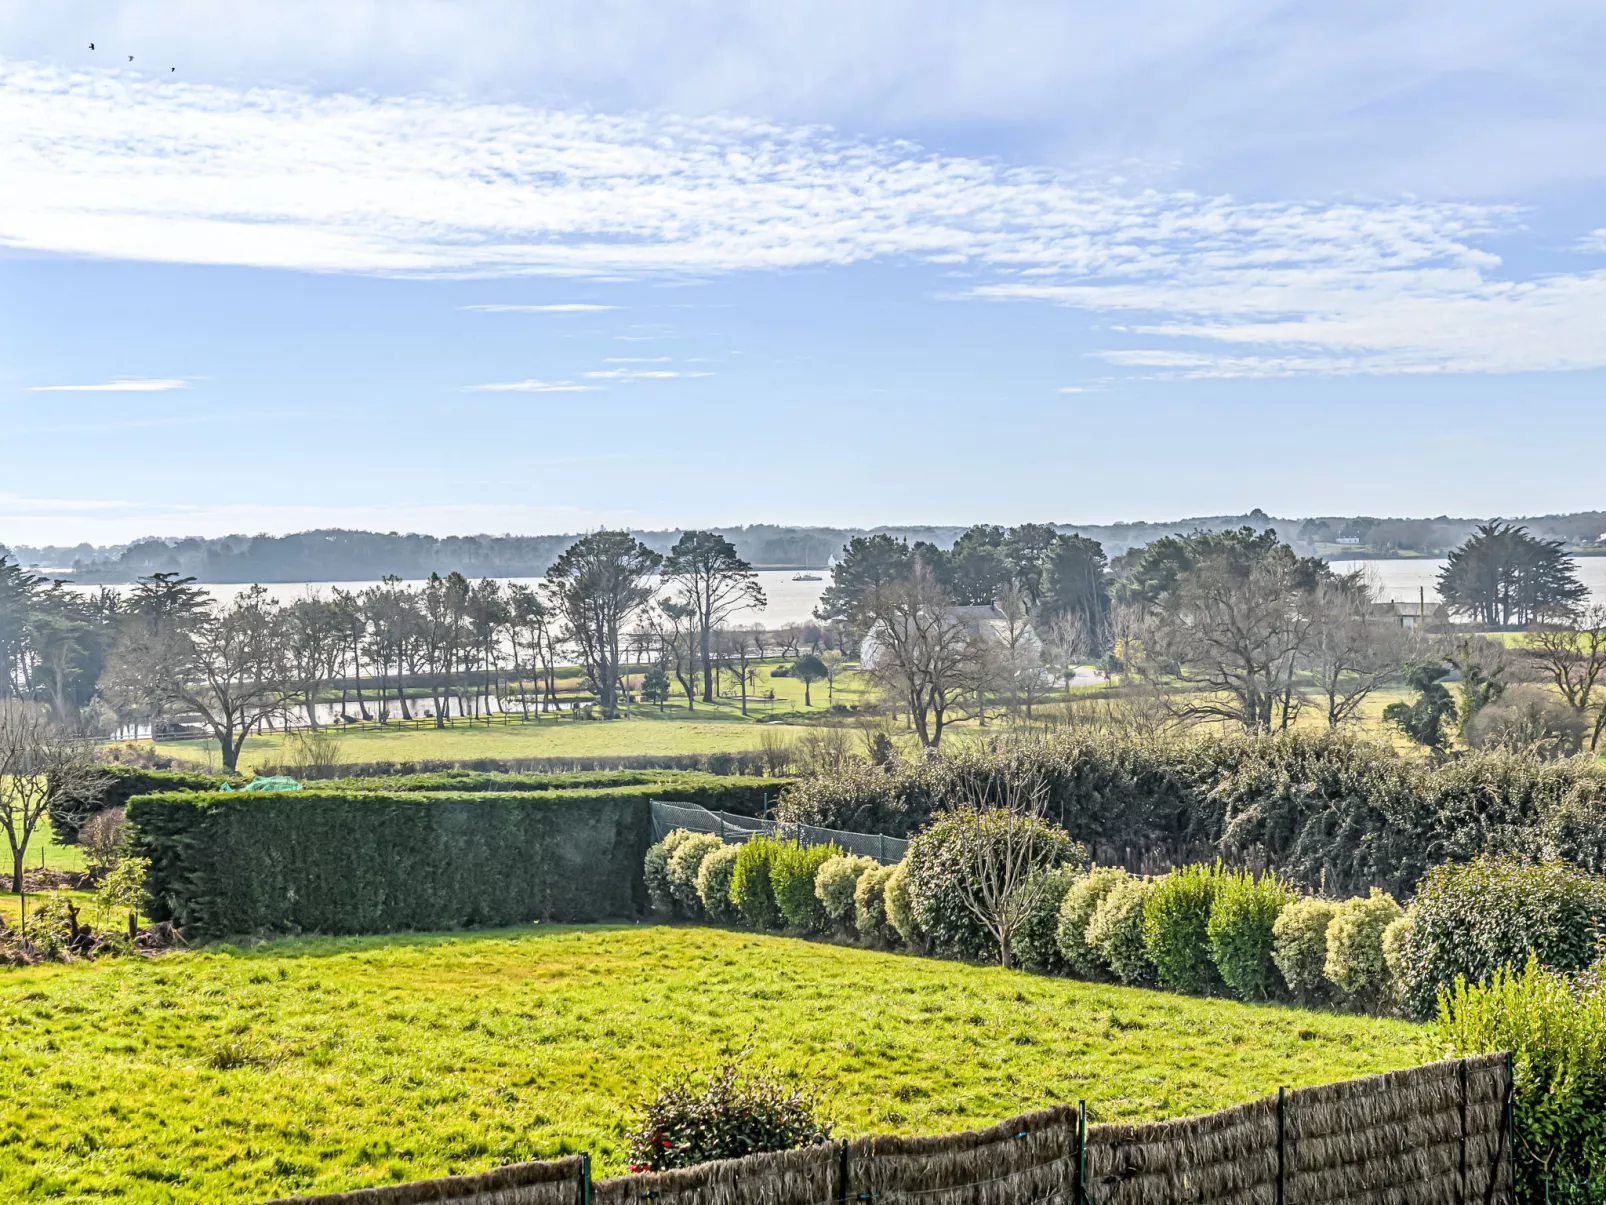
[713, 582]
[809, 668]
[598, 585]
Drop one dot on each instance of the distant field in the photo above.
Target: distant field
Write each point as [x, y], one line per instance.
[318, 1065]
[706, 728]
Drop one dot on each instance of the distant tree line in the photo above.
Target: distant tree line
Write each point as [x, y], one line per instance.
[340, 555]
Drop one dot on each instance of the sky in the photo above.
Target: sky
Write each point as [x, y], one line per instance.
[538, 267]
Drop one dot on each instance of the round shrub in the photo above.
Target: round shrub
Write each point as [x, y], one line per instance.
[1081, 901]
[1176, 929]
[655, 869]
[725, 1116]
[792, 877]
[1299, 947]
[1395, 938]
[682, 870]
[836, 884]
[1243, 918]
[1473, 918]
[946, 864]
[901, 907]
[870, 906]
[714, 883]
[1355, 963]
[1116, 931]
[1035, 945]
[751, 891]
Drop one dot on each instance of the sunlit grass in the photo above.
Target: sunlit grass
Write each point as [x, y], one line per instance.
[229, 1074]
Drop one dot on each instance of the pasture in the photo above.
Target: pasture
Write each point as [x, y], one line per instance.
[233, 1074]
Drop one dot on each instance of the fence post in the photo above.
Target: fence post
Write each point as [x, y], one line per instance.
[842, 1173]
[1461, 1075]
[1081, 1152]
[1282, 1097]
[881, 848]
[585, 1178]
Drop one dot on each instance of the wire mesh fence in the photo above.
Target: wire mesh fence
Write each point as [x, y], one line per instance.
[666, 817]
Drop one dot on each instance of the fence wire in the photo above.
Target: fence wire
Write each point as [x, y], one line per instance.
[737, 829]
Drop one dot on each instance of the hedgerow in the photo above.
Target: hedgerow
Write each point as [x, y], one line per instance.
[1330, 811]
[326, 862]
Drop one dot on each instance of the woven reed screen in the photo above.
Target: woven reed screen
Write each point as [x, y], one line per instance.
[1433, 1135]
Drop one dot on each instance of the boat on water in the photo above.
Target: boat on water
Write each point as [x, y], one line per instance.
[806, 577]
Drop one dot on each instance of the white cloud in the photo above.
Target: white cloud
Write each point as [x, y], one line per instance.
[532, 386]
[639, 374]
[144, 385]
[635, 359]
[101, 164]
[567, 307]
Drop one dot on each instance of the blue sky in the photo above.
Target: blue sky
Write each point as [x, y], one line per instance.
[526, 267]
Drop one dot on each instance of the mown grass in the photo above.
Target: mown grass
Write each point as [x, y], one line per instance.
[719, 727]
[238, 1074]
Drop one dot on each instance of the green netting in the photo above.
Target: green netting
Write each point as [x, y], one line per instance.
[277, 782]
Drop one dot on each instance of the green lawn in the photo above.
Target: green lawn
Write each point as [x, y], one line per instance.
[229, 1074]
[719, 727]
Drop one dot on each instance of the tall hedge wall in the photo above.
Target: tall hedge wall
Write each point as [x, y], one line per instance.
[1325, 809]
[316, 861]
[113, 787]
[743, 796]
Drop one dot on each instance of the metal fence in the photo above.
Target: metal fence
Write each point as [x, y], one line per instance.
[728, 826]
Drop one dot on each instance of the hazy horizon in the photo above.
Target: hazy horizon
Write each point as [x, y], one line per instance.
[488, 267]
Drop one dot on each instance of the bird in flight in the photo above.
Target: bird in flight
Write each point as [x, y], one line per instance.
[92, 46]
[130, 58]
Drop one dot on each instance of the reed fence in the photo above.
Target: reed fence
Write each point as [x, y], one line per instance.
[1433, 1135]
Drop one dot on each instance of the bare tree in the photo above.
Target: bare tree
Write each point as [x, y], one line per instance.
[225, 664]
[1351, 652]
[918, 648]
[1573, 656]
[1014, 657]
[675, 626]
[38, 762]
[314, 639]
[1235, 632]
[1007, 848]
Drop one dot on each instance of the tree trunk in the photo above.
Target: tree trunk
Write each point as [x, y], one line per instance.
[708, 669]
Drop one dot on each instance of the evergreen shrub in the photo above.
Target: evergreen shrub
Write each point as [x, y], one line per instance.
[901, 907]
[1176, 929]
[751, 889]
[1116, 931]
[946, 864]
[792, 877]
[1035, 945]
[870, 907]
[714, 883]
[326, 862]
[1299, 947]
[1243, 920]
[684, 864]
[1076, 913]
[837, 884]
[1354, 963]
[1470, 919]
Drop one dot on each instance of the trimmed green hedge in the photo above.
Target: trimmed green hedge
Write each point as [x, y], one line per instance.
[113, 787]
[717, 793]
[319, 861]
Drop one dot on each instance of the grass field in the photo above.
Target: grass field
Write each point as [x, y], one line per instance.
[719, 727]
[234, 1075]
